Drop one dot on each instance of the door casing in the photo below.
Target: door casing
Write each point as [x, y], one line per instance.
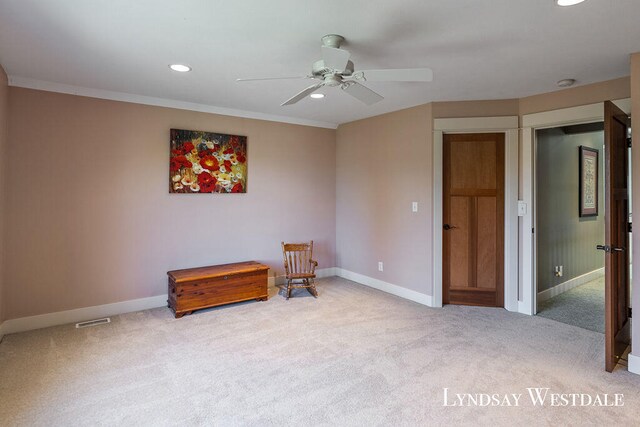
[527, 303]
[509, 126]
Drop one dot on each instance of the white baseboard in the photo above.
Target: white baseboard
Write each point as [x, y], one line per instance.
[81, 314]
[634, 364]
[524, 308]
[570, 284]
[29, 323]
[389, 288]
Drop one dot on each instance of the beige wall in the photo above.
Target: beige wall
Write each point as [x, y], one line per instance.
[635, 153]
[493, 108]
[92, 222]
[4, 136]
[383, 165]
[580, 95]
[385, 162]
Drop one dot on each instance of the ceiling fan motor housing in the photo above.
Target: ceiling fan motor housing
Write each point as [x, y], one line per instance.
[332, 40]
[320, 70]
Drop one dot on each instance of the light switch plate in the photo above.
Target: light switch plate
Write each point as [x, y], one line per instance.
[522, 208]
[414, 207]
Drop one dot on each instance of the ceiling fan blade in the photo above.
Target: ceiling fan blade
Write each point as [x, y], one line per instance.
[362, 93]
[302, 94]
[399, 75]
[335, 58]
[273, 78]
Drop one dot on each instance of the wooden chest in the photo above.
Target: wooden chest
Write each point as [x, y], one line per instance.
[195, 288]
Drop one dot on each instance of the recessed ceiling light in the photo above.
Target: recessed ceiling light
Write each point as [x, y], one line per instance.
[180, 68]
[568, 2]
[566, 82]
[317, 95]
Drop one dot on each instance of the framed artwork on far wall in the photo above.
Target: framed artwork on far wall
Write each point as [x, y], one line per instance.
[207, 162]
[588, 166]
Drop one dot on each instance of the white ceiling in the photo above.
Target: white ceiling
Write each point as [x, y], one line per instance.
[478, 49]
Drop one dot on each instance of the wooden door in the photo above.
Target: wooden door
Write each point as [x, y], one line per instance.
[617, 324]
[473, 213]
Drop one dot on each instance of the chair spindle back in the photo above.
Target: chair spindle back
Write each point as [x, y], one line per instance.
[297, 257]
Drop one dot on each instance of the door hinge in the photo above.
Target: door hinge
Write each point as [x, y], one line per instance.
[629, 227]
[629, 312]
[533, 230]
[629, 142]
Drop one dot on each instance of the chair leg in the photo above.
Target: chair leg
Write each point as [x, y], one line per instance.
[288, 289]
[312, 288]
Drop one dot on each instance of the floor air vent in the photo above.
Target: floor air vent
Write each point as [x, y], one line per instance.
[93, 323]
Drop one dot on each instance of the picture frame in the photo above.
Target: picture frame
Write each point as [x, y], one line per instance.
[588, 181]
[207, 162]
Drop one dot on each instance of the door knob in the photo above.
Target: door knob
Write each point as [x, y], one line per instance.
[449, 227]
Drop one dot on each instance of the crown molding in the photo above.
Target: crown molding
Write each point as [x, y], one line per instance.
[28, 83]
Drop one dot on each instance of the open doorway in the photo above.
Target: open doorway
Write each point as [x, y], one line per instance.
[616, 199]
[569, 268]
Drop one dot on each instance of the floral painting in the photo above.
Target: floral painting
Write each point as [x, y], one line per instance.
[207, 162]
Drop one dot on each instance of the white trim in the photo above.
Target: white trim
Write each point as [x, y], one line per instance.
[573, 115]
[436, 248]
[509, 126]
[28, 83]
[570, 284]
[565, 116]
[527, 301]
[389, 288]
[634, 364]
[81, 314]
[511, 219]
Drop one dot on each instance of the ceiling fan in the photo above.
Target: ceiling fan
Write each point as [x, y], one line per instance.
[336, 70]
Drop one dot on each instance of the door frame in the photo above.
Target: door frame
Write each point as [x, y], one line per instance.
[590, 113]
[509, 126]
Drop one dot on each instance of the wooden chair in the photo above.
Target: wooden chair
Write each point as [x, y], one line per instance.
[299, 267]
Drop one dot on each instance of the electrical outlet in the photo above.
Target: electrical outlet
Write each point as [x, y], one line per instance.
[380, 266]
[558, 271]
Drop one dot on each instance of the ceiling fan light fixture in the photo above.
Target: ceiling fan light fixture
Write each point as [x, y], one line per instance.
[180, 68]
[317, 95]
[568, 2]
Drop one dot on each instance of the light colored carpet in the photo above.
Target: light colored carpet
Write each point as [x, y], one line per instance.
[582, 306]
[354, 356]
